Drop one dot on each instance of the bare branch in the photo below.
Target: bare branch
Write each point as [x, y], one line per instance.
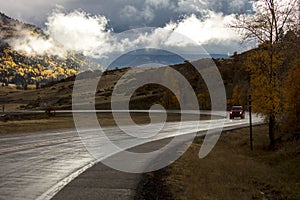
[271, 20]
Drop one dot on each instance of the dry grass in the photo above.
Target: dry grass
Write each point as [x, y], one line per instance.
[60, 121]
[232, 171]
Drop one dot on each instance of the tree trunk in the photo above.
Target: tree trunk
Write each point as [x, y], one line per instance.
[25, 86]
[5, 82]
[271, 131]
[37, 85]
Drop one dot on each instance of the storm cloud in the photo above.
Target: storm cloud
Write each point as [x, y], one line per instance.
[125, 14]
[204, 21]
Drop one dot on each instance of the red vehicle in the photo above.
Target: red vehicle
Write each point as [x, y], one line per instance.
[237, 111]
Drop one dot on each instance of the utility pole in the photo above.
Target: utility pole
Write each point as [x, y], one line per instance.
[250, 121]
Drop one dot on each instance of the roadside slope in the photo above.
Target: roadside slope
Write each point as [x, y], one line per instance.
[230, 171]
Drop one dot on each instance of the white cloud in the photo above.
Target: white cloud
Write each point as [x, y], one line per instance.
[33, 44]
[76, 31]
[148, 14]
[203, 31]
[129, 12]
[190, 33]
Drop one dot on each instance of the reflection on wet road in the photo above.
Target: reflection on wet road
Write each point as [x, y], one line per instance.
[36, 165]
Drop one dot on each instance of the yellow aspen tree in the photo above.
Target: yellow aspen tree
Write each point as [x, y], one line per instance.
[271, 20]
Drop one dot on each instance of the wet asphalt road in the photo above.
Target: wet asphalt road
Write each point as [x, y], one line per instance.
[38, 165]
[31, 164]
[102, 182]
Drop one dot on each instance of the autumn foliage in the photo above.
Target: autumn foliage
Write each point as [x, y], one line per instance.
[21, 69]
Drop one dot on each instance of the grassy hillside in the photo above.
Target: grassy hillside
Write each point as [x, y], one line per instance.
[231, 171]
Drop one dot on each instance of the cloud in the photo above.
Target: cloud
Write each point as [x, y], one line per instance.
[191, 6]
[160, 3]
[155, 13]
[91, 34]
[238, 5]
[81, 32]
[33, 44]
[203, 31]
[191, 34]
[131, 13]
[75, 31]
[33, 11]
[229, 6]
[148, 14]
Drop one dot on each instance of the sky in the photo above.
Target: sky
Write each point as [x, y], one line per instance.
[93, 25]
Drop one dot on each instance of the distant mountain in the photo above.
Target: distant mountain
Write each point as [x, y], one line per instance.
[154, 57]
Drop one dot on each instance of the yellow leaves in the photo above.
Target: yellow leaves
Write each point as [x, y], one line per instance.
[237, 96]
[292, 90]
[174, 101]
[264, 65]
[30, 70]
[204, 100]
[36, 68]
[10, 63]
[21, 73]
[70, 71]
[61, 71]
[47, 72]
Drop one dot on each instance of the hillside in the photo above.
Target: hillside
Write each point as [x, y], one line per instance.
[19, 68]
[9, 28]
[59, 93]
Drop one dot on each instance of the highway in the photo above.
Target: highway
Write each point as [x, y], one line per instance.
[38, 165]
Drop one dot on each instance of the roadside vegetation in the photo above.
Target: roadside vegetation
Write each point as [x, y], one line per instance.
[271, 66]
[231, 171]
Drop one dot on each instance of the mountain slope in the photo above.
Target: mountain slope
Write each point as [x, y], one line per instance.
[9, 27]
[22, 69]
